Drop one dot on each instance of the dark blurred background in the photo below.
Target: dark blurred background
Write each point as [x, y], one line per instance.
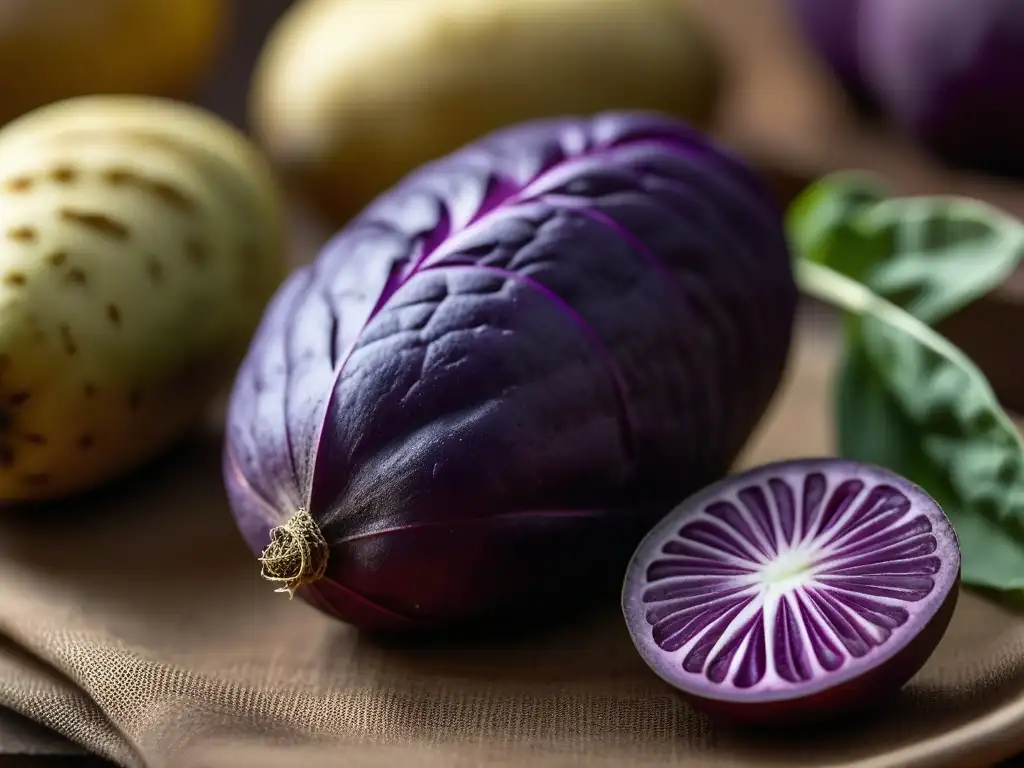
[226, 91]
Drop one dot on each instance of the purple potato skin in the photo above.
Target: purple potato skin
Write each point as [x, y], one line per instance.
[494, 380]
[951, 73]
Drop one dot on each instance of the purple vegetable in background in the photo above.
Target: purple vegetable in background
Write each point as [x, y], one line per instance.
[949, 72]
[485, 390]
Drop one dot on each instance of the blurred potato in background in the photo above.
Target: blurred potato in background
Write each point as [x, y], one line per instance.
[350, 95]
[55, 49]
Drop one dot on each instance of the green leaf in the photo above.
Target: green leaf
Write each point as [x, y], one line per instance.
[824, 223]
[909, 400]
[906, 398]
[932, 256]
[870, 425]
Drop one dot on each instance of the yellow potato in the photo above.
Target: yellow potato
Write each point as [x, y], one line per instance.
[55, 49]
[140, 240]
[350, 95]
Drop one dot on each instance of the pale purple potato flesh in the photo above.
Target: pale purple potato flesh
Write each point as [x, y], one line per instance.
[797, 589]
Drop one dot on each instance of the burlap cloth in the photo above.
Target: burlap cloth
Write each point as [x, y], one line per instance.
[136, 624]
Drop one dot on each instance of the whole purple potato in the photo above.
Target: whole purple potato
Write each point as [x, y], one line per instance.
[951, 72]
[488, 386]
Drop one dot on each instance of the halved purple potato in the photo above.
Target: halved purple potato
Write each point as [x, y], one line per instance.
[798, 589]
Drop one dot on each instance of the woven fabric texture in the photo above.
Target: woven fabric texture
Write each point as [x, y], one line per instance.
[136, 624]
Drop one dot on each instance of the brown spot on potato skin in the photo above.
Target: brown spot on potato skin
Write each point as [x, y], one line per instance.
[19, 184]
[173, 196]
[17, 398]
[89, 390]
[35, 479]
[165, 192]
[6, 455]
[98, 222]
[85, 442]
[114, 314]
[134, 399]
[57, 258]
[15, 278]
[67, 340]
[35, 438]
[22, 234]
[64, 174]
[77, 276]
[118, 177]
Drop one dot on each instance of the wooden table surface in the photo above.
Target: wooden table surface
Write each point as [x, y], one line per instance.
[784, 113]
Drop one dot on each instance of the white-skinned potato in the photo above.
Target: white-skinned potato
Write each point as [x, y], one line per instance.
[57, 49]
[140, 240]
[350, 95]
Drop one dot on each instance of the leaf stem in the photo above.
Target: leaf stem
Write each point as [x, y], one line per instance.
[832, 287]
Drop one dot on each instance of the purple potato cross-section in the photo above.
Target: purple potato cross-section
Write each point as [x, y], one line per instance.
[797, 587]
[497, 377]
